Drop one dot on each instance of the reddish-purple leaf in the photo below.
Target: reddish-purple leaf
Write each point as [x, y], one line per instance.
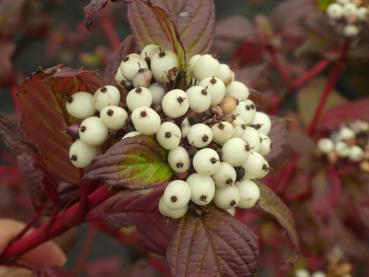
[32, 178]
[194, 21]
[53, 272]
[42, 99]
[352, 110]
[127, 46]
[92, 9]
[214, 244]
[14, 138]
[272, 204]
[278, 135]
[134, 163]
[141, 211]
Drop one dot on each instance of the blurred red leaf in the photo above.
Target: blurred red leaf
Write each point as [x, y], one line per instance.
[53, 272]
[249, 53]
[172, 23]
[278, 135]
[134, 163]
[44, 119]
[14, 138]
[141, 211]
[214, 244]
[92, 9]
[32, 178]
[272, 204]
[127, 46]
[352, 110]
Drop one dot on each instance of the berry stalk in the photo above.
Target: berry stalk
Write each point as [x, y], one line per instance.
[63, 222]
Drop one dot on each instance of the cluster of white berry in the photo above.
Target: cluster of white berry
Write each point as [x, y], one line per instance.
[348, 142]
[215, 137]
[352, 15]
[302, 272]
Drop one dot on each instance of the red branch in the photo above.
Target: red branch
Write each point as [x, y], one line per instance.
[110, 32]
[283, 71]
[64, 221]
[311, 73]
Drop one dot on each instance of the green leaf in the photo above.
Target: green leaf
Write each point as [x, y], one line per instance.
[133, 163]
[323, 4]
[44, 119]
[213, 244]
[272, 204]
[309, 96]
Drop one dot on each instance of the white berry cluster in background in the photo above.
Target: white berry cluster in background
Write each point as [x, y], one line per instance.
[351, 15]
[302, 272]
[349, 142]
[215, 138]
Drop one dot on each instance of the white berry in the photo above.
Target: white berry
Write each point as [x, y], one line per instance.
[239, 127]
[325, 145]
[335, 11]
[206, 161]
[142, 78]
[169, 135]
[249, 194]
[301, 272]
[106, 96]
[192, 62]
[175, 103]
[149, 51]
[351, 30]
[356, 153]
[113, 117]
[199, 99]
[235, 151]
[199, 135]
[256, 167]
[177, 194]
[93, 131]
[80, 105]
[138, 97]
[262, 123]
[363, 14]
[185, 127]
[81, 154]
[164, 66]
[166, 211]
[179, 160]
[246, 110]
[157, 93]
[265, 144]
[225, 74]
[227, 197]
[119, 78]
[342, 149]
[222, 131]
[131, 134]
[216, 89]
[345, 133]
[130, 66]
[350, 10]
[237, 90]
[225, 175]
[146, 120]
[202, 189]
[252, 137]
[206, 66]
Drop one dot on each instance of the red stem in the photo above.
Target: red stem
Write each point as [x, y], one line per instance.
[311, 73]
[110, 32]
[283, 71]
[64, 221]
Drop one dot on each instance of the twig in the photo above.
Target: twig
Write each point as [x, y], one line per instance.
[64, 221]
[311, 73]
[110, 32]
